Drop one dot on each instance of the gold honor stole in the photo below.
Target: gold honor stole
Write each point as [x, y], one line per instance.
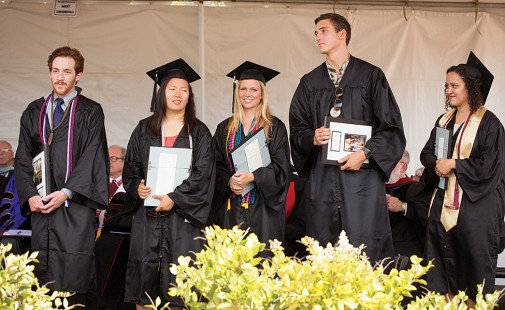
[462, 149]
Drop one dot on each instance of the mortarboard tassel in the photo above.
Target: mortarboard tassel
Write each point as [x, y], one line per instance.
[153, 100]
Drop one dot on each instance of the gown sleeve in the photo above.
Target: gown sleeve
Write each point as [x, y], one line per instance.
[301, 130]
[90, 174]
[388, 140]
[484, 170]
[223, 173]
[272, 181]
[23, 162]
[133, 171]
[193, 197]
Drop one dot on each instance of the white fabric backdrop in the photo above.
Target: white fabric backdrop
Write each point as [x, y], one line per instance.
[121, 42]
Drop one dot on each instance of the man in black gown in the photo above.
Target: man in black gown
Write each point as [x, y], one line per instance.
[348, 196]
[70, 128]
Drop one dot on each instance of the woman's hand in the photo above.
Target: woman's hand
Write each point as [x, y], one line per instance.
[444, 166]
[143, 190]
[239, 180]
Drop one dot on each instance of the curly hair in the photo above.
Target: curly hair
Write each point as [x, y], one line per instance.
[472, 80]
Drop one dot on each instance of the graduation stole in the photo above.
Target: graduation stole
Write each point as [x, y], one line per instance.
[464, 143]
[233, 139]
[46, 138]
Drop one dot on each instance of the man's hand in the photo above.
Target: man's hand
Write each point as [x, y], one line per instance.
[143, 191]
[166, 203]
[54, 201]
[36, 203]
[353, 161]
[322, 136]
[394, 204]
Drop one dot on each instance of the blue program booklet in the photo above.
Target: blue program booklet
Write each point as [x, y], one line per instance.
[250, 155]
[442, 142]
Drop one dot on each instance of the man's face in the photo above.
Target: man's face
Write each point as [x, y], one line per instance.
[398, 172]
[6, 156]
[116, 167]
[63, 75]
[327, 37]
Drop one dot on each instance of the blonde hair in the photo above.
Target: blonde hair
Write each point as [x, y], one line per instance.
[263, 115]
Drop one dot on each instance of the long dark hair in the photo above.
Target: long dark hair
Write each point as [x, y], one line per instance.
[154, 123]
[472, 85]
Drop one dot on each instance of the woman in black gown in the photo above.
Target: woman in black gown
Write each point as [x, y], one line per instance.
[162, 233]
[262, 210]
[466, 218]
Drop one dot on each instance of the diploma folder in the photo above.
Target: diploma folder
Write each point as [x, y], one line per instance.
[347, 136]
[250, 155]
[168, 167]
[42, 172]
[442, 142]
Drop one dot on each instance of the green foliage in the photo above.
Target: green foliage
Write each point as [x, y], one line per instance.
[20, 289]
[229, 275]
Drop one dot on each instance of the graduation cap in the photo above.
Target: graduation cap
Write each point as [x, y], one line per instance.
[251, 71]
[478, 71]
[175, 69]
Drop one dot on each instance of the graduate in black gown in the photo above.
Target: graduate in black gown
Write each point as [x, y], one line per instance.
[466, 219]
[348, 196]
[63, 222]
[161, 234]
[263, 208]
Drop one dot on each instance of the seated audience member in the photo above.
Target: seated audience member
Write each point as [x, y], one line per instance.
[404, 215]
[113, 243]
[295, 223]
[13, 224]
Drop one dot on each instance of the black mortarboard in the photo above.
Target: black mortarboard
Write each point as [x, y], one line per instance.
[175, 69]
[251, 71]
[477, 69]
[486, 76]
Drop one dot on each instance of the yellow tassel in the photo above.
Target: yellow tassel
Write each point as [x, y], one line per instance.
[228, 208]
[245, 205]
[98, 233]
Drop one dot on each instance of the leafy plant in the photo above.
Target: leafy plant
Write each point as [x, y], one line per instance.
[20, 289]
[227, 274]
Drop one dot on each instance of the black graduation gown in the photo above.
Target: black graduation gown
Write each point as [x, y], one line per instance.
[111, 255]
[355, 198]
[266, 218]
[407, 228]
[467, 254]
[158, 242]
[65, 237]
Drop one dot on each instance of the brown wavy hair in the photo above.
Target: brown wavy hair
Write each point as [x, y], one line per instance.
[67, 51]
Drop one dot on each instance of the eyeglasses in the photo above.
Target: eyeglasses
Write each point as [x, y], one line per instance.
[337, 105]
[5, 150]
[115, 158]
[151, 212]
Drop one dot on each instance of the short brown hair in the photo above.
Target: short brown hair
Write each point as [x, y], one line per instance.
[66, 51]
[339, 22]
